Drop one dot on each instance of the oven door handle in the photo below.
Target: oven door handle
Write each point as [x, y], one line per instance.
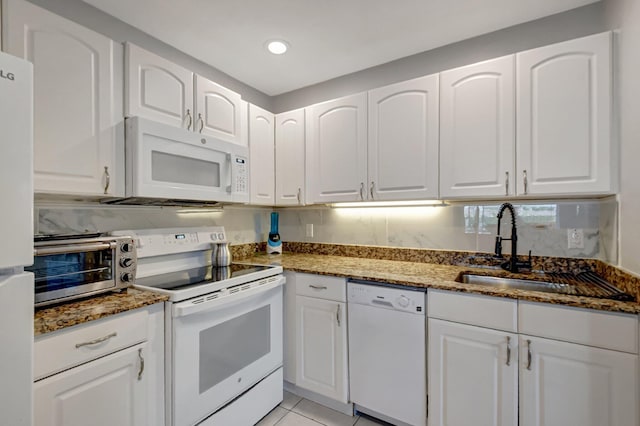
[183, 309]
[73, 248]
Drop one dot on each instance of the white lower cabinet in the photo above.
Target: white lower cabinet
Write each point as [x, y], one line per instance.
[472, 375]
[568, 384]
[103, 373]
[491, 364]
[321, 337]
[105, 392]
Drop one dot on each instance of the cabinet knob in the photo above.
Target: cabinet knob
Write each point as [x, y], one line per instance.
[188, 116]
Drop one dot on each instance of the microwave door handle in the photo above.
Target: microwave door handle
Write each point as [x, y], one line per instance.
[72, 248]
[230, 164]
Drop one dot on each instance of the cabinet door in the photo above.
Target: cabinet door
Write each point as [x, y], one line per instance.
[105, 392]
[564, 117]
[403, 140]
[477, 130]
[337, 150]
[472, 375]
[262, 156]
[77, 101]
[568, 384]
[158, 89]
[217, 111]
[321, 347]
[290, 158]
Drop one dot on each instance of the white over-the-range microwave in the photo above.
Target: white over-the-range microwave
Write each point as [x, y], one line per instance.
[169, 163]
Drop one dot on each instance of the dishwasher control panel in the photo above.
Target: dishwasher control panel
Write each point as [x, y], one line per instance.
[380, 296]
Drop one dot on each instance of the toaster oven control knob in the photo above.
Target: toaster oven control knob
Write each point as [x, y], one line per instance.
[127, 277]
[126, 247]
[125, 262]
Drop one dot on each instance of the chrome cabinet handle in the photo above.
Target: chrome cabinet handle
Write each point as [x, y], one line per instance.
[506, 183]
[528, 354]
[318, 287]
[299, 195]
[96, 341]
[107, 179]
[526, 183]
[201, 121]
[190, 122]
[371, 189]
[508, 350]
[141, 364]
[338, 315]
[361, 190]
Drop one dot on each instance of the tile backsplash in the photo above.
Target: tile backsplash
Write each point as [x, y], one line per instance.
[542, 225]
[242, 224]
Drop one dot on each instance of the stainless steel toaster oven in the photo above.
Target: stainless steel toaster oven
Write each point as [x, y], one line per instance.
[71, 267]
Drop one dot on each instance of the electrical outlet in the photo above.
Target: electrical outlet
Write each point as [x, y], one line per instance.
[309, 231]
[575, 238]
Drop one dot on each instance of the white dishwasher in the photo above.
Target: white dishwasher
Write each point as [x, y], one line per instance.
[387, 352]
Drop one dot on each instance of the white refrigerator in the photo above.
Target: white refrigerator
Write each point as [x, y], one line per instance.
[16, 240]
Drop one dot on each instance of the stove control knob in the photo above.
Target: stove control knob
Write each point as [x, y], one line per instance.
[125, 262]
[214, 236]
[126, 247]
[127, 277]
[403, 301]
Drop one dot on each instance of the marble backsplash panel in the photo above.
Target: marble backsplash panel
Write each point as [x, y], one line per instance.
[543, 227]
[242, 224]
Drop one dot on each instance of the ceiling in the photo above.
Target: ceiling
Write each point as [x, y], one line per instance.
[328, 38]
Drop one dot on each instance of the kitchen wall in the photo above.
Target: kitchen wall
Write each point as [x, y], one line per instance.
[542, 227]
[243, 224]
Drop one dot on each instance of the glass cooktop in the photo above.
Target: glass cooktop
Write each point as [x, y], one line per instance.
[191, 278]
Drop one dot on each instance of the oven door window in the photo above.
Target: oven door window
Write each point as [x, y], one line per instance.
[63, 271]
[245, 340]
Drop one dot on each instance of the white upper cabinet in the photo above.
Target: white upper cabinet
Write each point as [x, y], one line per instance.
[336, 157]
[217, 110]
[564, 118]
[261, 152]
[158, 89]
[477, 130]
[290, 187]
[403, 140]
[163, 91]
[78, 132]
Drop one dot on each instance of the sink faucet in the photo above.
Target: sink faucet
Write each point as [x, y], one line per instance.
[511, 265]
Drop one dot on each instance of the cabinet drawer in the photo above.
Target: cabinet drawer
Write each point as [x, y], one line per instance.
[474, 309]
[58, 351]
[609, 330]
[321, 286]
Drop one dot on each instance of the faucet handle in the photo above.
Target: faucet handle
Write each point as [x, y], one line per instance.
[498, 249]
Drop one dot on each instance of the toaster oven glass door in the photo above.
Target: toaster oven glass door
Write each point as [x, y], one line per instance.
[60, 275]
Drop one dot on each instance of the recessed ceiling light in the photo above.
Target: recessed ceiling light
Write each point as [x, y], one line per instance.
[277, 47]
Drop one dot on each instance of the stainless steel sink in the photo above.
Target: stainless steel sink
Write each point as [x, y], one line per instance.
[512, 283]
[585, 283]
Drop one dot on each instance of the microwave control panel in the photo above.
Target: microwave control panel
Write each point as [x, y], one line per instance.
[241, 174]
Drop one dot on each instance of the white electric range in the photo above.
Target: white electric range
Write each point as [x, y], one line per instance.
[223, 327]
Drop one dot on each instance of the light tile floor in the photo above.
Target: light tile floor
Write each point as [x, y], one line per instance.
[297, 411]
